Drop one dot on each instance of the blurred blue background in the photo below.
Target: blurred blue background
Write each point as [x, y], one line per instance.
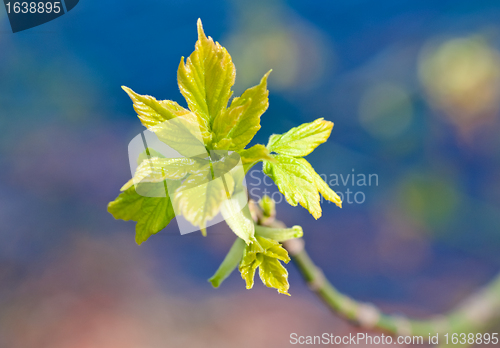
[413, 89]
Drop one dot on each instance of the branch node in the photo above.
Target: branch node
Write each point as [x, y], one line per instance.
[294, 246]
[403, 326]
[479, 308]
[368, 315]
[441, 323]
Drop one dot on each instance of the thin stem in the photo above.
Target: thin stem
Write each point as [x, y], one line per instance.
[475, 314]
[472, 315]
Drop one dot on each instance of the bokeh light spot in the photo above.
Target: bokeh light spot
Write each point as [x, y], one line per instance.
[431, 200]
[462, 78]
[386, 110]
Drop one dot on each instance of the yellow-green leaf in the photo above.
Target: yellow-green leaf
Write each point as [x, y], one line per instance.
[156, 214]
[253, 155]
[205, 80]
[147, 154]
[198, 199]
[299, 183]
[249, 263]
[151, 111]
[184, 135]
[273, 249]
[265, 254]
[323, 187]
[151, 213]
[237, 126]
[156, 170]
[302, 140]
[294, 180]
[127, 206]
[274, 275]
[237, 215]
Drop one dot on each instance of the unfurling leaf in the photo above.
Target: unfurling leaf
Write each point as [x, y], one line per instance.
[249, 263]
[274, 275]
[279, 234]
[151, 213]
[230, 262]
[265, 254]
[248, 267]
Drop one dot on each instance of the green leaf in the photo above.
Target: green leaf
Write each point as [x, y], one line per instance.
[127, 206]
[294, 181]
[151, 213]
[205, 80]
[323, 187]
[184, 135]
[274, 275]
[252, 258]
[230, 262]
[273, 249]
[265, 254]
[147, 154]
[236, 127]
[253, 155]
[302, 140]
[295, 177]
[156, 214]
[237, 216]
[249, 267]
[234, 209]
[198, 199]
[151, 111]
[299, 183]
[155, 170]
[279, 234]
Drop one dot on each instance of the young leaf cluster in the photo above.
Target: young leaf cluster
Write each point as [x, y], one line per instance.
[219, 127]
